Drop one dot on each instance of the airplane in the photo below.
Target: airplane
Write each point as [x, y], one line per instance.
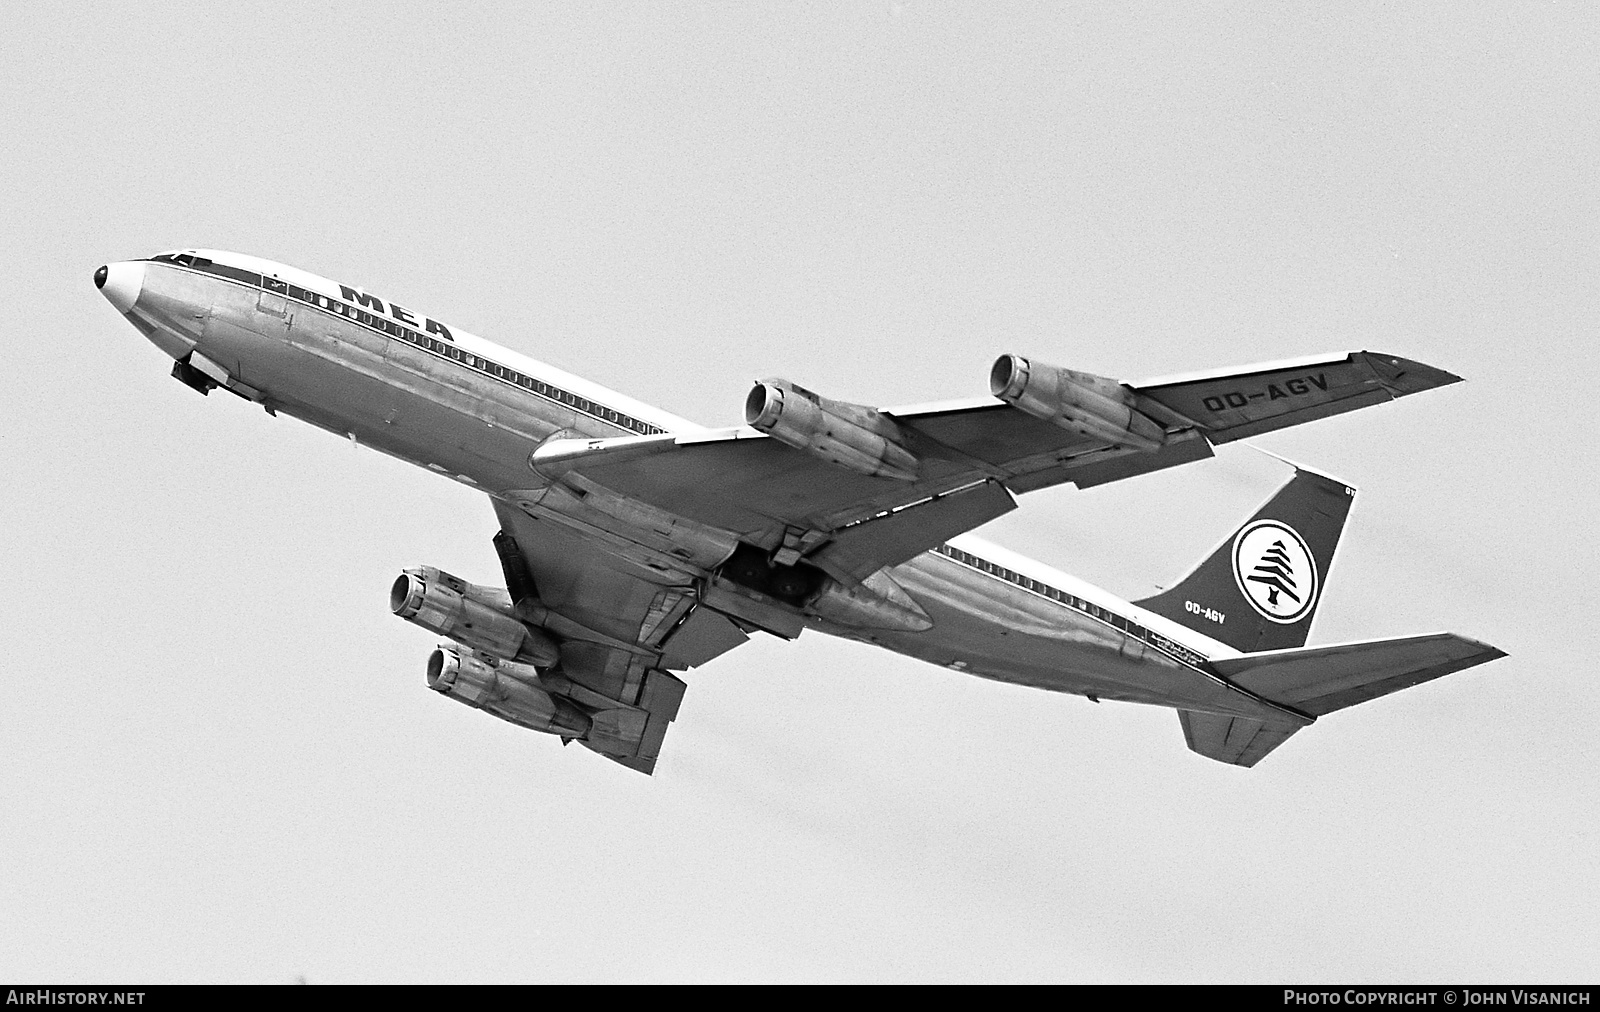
[637, 545]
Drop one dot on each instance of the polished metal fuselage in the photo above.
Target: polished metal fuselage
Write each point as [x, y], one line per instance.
[457, 416]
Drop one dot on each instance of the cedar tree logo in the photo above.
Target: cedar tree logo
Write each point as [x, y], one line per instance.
[1275, 571]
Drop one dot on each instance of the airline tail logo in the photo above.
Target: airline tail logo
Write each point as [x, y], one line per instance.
[1275, 571]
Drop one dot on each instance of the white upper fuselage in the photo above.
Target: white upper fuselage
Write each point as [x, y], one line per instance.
[404, 383]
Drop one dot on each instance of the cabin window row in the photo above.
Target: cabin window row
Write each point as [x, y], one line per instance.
[1105, 615]
[481, 364]
[538, 386]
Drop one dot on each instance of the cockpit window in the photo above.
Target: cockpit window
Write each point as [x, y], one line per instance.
[186, 258]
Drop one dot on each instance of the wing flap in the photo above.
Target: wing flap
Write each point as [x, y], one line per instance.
[861, 550]
[702, 636]
[1105, 468]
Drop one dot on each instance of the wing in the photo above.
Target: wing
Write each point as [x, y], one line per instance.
[1234, 404]
[625, 625]
[972, 457]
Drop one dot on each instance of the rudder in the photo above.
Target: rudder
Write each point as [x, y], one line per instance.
[1259, 589]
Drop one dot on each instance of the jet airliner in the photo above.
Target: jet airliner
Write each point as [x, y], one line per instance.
[637, 545]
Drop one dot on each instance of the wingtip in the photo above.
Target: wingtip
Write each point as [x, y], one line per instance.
[1485, 652]
[1402, 376]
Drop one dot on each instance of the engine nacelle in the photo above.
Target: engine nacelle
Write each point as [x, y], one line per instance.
[853, 437]
[506, 689]
[479, 617]
[1080, 402]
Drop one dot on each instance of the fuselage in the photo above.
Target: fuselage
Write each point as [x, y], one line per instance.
[403, 383]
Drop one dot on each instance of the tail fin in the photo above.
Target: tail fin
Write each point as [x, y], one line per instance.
[1259, 589]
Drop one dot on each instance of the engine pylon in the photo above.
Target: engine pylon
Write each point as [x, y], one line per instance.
[479, 617]
[1080, 402]
[509, 690]
[851, 436]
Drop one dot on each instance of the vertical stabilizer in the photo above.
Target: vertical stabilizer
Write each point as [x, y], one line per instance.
[1259, 589]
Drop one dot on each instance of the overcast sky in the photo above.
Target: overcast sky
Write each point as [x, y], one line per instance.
[220, 759]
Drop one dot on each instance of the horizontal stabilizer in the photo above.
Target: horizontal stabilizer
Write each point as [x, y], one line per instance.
[1240, 741]
[1319, 680]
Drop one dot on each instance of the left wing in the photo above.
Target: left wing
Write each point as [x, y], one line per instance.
[626, 626]
[970, 458]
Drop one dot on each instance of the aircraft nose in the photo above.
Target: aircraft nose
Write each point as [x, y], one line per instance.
[120, 283]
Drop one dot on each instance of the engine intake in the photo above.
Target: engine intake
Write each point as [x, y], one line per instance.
[506, 689]
[479, 617]
[1080, 402]
[850, 436]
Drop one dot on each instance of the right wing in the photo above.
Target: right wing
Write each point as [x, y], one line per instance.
[973, 456]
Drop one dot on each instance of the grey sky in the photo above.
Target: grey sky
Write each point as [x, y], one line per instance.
[220, 758]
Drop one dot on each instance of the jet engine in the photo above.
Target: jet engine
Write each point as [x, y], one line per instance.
[1080, 402]
[853, 437]
[506, 689]
[479, 617]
